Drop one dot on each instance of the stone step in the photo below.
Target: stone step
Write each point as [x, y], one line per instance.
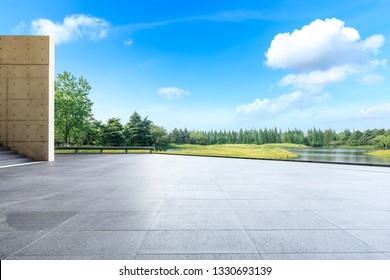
[14, 161]
[7, 152]
[9, 157]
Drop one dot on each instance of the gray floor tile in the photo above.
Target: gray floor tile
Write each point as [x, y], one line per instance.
[190, 187]
[204, 205]
[334, 205]
[357, 219]
[248, 187]
[310, 193]
[86, 243]
[110, 221]
[125, 205]
[189, 242]
[252, 219]
[77, 195]
[257, 195]
[130, 194]
[117, 257]
[382, 203]
[308, 241]
[266, 205]
[200, 257]
[12, 242]
[114, 184]
[327, 256]
[20, 196]
[378, 239]
[32, 221]
[43, 205]
[54, 257]
[196, 195]
[196, 221]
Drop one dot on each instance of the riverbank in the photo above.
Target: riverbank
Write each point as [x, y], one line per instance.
[379, 153]
[267, 151]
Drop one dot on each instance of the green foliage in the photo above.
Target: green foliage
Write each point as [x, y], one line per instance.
[198, 138]
[159, 137]
[72, 107]
[113, 133]
[313, 137]
[94, 133]
[137, 131]
[381, 141]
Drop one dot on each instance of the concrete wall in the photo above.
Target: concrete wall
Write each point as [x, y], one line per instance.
[27, 95]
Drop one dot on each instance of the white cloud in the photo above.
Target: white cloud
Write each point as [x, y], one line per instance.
[172, 92]
[224, 16]
[371, 79]
[72, 28]
[378, 111]
[321, 45]
[270, 108]
[315, 81]
[21, 28]
[128, 42]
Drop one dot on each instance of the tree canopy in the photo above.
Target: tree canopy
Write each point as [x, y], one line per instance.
[72, 106]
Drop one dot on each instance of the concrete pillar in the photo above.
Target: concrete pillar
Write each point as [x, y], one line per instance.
[27, 95]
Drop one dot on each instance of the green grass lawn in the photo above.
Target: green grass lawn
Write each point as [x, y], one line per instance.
[267, 151]
[354, 147]
[379, 153]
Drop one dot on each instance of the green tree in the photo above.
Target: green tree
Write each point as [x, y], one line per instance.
[137, 130]
[133, 130]
[381, 141]
[174, 136]
[113, 133]
[72, 105]
[197, 137]
[354, 139]
[94, 134]
[159, 137]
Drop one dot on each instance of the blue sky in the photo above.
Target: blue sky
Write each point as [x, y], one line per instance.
[222, 64]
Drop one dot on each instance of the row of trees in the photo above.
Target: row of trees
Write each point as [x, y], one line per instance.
[75, 125]
[313, 137]
[137, 131]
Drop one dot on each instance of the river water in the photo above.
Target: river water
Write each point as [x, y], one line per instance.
[338, 155]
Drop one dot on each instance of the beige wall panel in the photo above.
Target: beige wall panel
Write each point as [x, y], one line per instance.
[3, 88]
[3, 109]
[3, 70]
[27, 95]
[22, 131]
[36, 150]
[28, 88]
[28, 71]
[24, 50]
[31, 110]
[3, 130]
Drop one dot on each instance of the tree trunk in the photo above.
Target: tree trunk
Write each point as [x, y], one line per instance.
[67, 136]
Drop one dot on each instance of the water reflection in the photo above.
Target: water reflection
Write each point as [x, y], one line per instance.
[338, 155]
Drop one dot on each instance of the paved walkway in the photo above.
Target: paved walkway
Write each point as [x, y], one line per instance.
[175, 207]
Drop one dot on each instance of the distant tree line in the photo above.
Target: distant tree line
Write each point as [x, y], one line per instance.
[137, 131]
[75, 125]
[312, 137]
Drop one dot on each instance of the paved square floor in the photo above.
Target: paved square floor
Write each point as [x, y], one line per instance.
[176, 207]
